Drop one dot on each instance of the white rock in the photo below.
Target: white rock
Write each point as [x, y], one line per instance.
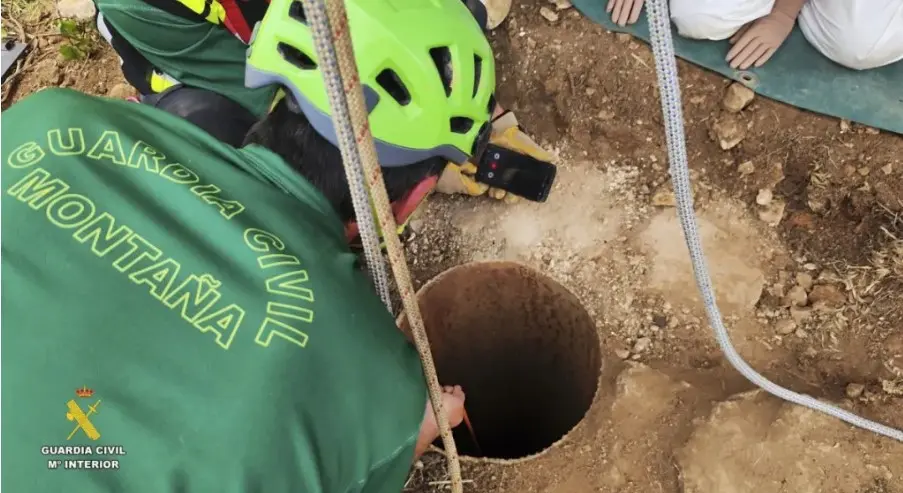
[785, 327]
[728, 132]
[549, 15]
[854, 390]
[773, 213]
[804, 280]
[796, 297]
[746, 168]
[737, 97]
[76, 9]
[642, 344]
[764, 197]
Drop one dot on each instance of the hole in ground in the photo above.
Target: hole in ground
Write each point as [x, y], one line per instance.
[522, 347]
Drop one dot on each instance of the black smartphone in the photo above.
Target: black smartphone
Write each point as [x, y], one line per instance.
[516, 173]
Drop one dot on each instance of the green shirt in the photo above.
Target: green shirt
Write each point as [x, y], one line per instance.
[206, 297]
[197, 53]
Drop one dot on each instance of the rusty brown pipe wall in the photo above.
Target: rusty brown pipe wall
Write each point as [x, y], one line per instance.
[522, 347]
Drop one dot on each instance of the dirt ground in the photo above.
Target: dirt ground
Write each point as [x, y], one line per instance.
[802, 227]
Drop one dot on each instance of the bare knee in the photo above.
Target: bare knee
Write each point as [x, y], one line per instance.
[715, 19]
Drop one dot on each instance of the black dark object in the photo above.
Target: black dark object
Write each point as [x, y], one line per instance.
[516, 173]
[12, 50]
[220, 116]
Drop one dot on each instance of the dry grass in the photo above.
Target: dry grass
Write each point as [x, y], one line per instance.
[883, 276]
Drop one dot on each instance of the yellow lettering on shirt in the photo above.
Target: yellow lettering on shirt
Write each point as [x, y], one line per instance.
[259, 240]
[223, 322]
[72, 146]
[70, 210]
[145, 156]
[37, 188]
[159, 276]
[102, 235]
[285, 282]
[27, 154]
[180, 174]
[195, 295]
[196, 298]
[108, 146]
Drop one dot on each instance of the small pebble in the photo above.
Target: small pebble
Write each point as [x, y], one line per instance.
[642, 344]
[737, 97]
[854, 390]
[764, 197]
[804, 280]
[785, 327]
[549, 14]
[746, 168]
[622, 353]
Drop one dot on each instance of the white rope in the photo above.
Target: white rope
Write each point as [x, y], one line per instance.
[669, 87]
[351, 156]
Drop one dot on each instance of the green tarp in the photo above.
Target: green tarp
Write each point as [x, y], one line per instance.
[797, 75]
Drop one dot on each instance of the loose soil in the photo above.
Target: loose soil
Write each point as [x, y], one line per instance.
[810, 283]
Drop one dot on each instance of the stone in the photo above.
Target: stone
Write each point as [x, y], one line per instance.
[746, 168]
[827, 294]
[785, 327]
[664, 197]
[76, 9]
[796, 297]
[864, 171]
[888, 169]
[737, 97]
[623, 38]
[855, 390]
[416, 225]
[800, 314]
[773, 213]
[562, 4]
[121, 91]
[642, 344]
[764, 196]
[728, 131]
[622, 353]
[548, 14]
[804, 280]
[844, 126]
[496, 12]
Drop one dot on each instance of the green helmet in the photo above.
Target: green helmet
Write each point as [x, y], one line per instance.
[426, 68]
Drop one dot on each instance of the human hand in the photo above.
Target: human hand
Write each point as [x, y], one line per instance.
[453, 404]
[624, 12]
[505, 133]
[757, 41]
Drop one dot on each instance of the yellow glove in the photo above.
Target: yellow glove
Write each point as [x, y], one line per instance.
[505, 133]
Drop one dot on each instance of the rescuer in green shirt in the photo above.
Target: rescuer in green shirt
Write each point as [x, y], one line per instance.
[185, 316]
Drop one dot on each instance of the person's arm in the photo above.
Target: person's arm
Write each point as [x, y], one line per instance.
[756, 42]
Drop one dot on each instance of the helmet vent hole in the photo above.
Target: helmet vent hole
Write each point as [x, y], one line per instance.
[393, 85]
[296, 57]
[491, 107]
[296, 11]
[460, 124]
[477, 72]
[442, 58]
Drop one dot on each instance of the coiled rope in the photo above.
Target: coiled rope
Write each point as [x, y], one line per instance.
[329, 24]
